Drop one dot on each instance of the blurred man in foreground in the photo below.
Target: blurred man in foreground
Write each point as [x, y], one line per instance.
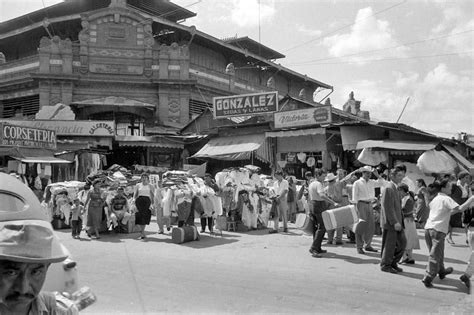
[27, 248]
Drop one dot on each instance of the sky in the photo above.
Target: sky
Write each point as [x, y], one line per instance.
[387, 52]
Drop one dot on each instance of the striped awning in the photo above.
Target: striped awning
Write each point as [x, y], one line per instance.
[149, 141]
[237, 147]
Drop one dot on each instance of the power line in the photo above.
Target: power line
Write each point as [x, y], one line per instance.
[382, 49]
[389, 59]
[344, 27]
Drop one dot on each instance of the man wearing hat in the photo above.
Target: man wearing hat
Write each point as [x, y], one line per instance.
[363, 194]
[334, 194]
[280, 187]
[27, 248]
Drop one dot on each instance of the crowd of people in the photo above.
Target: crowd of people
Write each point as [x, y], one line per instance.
[384, 199]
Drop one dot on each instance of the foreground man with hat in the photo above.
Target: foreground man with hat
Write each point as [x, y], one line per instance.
[27, 248]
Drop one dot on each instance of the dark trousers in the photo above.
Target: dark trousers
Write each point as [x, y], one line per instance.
[317, 208]
[393, 247]
[209, 222]
[76, 226]
[435, 242]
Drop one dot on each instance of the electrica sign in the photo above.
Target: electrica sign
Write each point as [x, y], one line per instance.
[13, 135]
[245, 104]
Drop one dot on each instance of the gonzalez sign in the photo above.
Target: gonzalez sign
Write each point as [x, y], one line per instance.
[303, 117]
[20, 136]
[245, 104]
[91, 128]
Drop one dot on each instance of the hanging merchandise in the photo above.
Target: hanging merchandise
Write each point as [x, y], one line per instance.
[301, 157]
[291, 157]
[311, 161]
[282, 164]
[47, 170]
[373, 158]
[438, 162]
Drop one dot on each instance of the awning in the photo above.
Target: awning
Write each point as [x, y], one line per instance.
[149, 141]
[460, 159]
[295, 133]
[41, 159]
[395, 145]
[231, 148]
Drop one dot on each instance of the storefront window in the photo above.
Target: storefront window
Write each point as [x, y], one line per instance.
[126, 124]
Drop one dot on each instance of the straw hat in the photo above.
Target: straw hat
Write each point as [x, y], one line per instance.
[330, 177]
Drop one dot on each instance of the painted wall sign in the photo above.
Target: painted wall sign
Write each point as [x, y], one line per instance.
[303, 117]
[23, 136]
[245, 104]
[94, 128]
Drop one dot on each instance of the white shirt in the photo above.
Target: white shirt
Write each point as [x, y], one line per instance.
[316, 190]
[281, 188]
[411, 185]
[363, 190]
[440, 213]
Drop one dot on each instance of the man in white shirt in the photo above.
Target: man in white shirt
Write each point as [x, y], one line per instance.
[363, 194]
[442, 207]
[280, 187]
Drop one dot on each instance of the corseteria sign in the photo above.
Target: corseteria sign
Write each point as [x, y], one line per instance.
[245, 104]
[303, 117]
[91, 128]
[13, 135]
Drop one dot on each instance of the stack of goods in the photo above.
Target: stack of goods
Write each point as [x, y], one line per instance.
[184, 196]
[245, 195]
[58, 198]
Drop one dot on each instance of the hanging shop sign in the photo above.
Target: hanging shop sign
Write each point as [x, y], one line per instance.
[21, 136]
[245, 104]
[93, 128]
[303, 117]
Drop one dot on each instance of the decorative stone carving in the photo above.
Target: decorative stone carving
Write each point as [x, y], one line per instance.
[271, 82]
[174, 110]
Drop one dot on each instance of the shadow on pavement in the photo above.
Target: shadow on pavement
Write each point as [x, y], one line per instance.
[424, 259]
[209, 241]
[351, 259]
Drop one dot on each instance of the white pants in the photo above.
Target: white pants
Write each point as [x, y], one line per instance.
[122, 214]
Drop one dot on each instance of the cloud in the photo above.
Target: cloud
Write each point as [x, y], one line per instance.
[246, 12]
[441, 102]
[366, 34]
[307, 31]
[459, 24]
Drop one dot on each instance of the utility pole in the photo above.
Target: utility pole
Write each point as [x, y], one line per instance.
[406, 103]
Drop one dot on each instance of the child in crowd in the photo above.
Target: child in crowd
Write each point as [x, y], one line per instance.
[76, 218]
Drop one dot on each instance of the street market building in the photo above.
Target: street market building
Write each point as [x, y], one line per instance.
[133, 65]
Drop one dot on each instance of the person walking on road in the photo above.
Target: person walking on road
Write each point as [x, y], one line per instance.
[318, 204]
[363, 194]
[95, 206]
[280, 187]
[391, 219]
[144, 195]
[441, 208]
[409, 220]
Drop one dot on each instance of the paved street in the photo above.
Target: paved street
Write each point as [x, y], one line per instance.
[257, 273]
